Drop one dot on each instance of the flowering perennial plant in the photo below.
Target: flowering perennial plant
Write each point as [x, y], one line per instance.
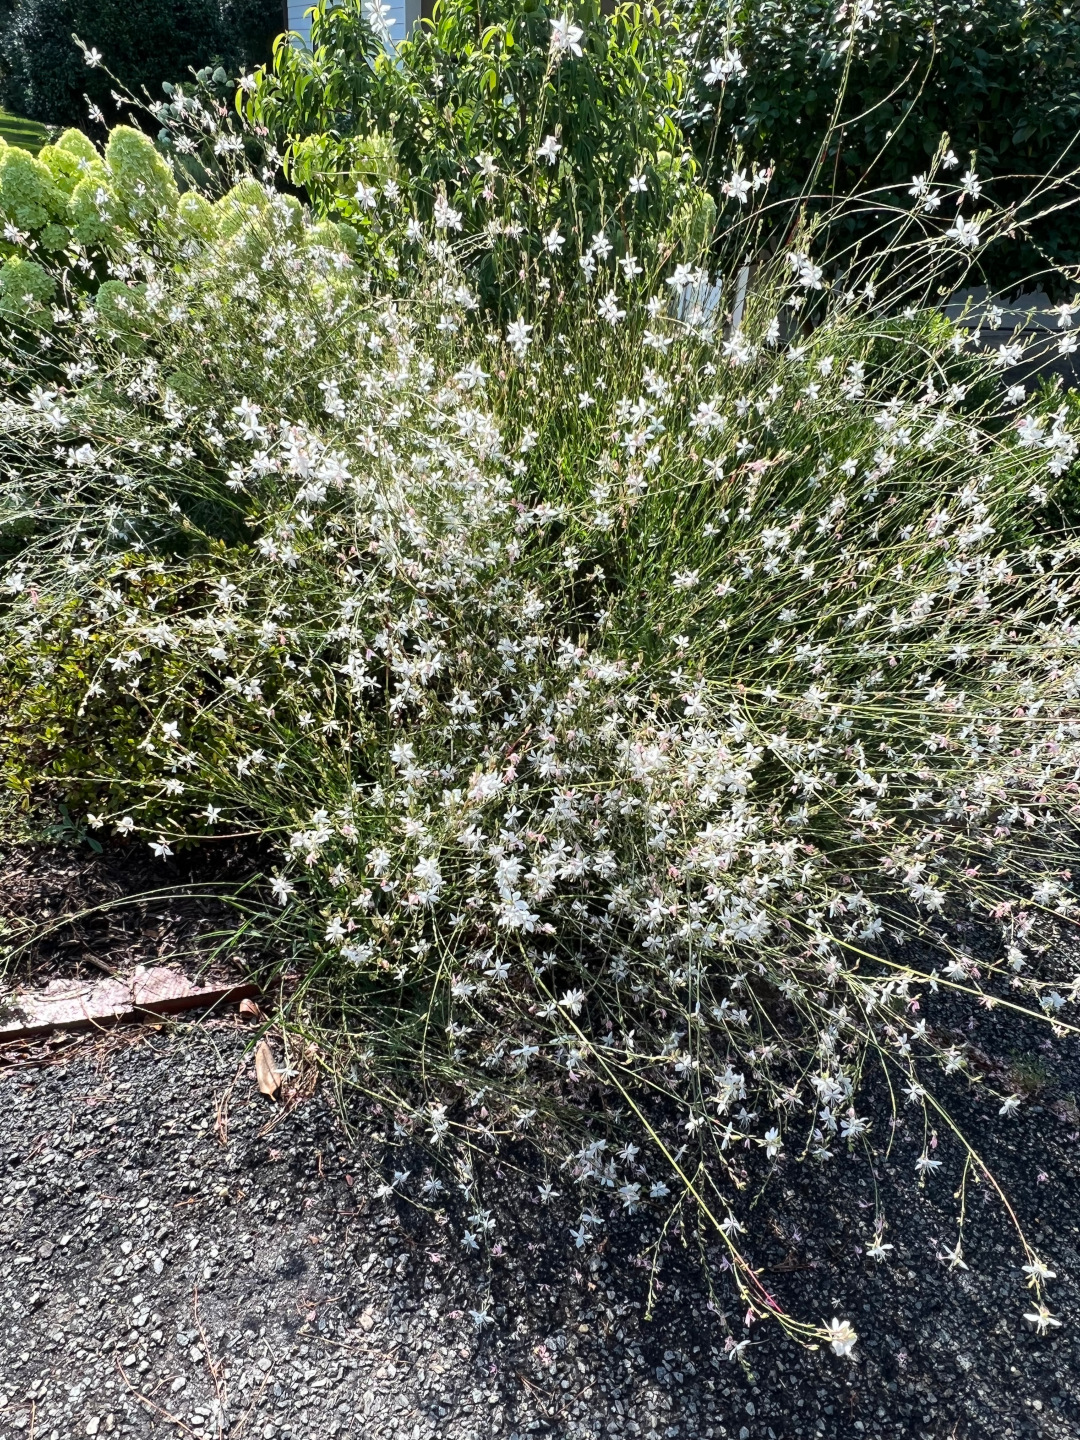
[634, 711]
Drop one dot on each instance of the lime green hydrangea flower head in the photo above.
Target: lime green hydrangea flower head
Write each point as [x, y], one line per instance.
[29, 199]
[55, 237]
[333, 236]
[122, 309]
[74, 142]
[242, 204]
[252, 220]
[71, 160]
[25, 290]
[197, 216]
[94, 213]
[139, 177]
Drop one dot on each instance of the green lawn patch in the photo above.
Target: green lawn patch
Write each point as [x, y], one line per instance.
[26, 133]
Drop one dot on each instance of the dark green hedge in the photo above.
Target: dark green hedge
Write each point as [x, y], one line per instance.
[1002, 78]
[143, 42]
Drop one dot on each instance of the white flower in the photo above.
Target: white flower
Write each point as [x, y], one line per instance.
[380, 17]
[247, 417]
[806, 272]
[125, 825]
[446, 217]
[1042, 1319]
[638, 184]
[841, 1336]
[609, 309]
[1008, 355]
[548, 149]
[517, 337]
[553, 241]
[971, 184]
[964, 232]
[161, 847]
[707, 417]
[720, 72]
[565, 37]
[955, 1257]
[737, 186]
[1037, 1271]
[573, 1001]
[426, 871]
[366, 197]
[92, 57]
[1010, 1106]
[282, 889]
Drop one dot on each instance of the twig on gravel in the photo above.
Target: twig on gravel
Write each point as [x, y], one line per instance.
[152, 1404]
[214, 1366]
[88, 958]
[221, 1109]
[241, 1424]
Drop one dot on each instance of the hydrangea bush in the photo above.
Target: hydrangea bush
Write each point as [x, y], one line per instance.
[647, 721]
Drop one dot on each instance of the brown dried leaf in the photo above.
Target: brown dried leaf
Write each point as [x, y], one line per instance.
[266, 1074]
[249, 1010]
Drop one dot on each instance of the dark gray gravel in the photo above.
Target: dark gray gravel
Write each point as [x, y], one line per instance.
[180, 1257]
[155, 1280]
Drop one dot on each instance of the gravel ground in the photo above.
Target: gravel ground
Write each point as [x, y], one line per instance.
[179, 1256]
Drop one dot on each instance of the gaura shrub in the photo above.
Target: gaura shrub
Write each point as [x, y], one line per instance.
[655, 725]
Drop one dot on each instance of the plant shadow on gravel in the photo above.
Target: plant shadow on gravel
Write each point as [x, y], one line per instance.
[636, 1320]
[277, 1243]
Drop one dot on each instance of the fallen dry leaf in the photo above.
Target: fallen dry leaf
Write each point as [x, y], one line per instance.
[250, 1011]
[266, 1074]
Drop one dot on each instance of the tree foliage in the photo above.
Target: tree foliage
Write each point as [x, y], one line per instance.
[462, 109]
